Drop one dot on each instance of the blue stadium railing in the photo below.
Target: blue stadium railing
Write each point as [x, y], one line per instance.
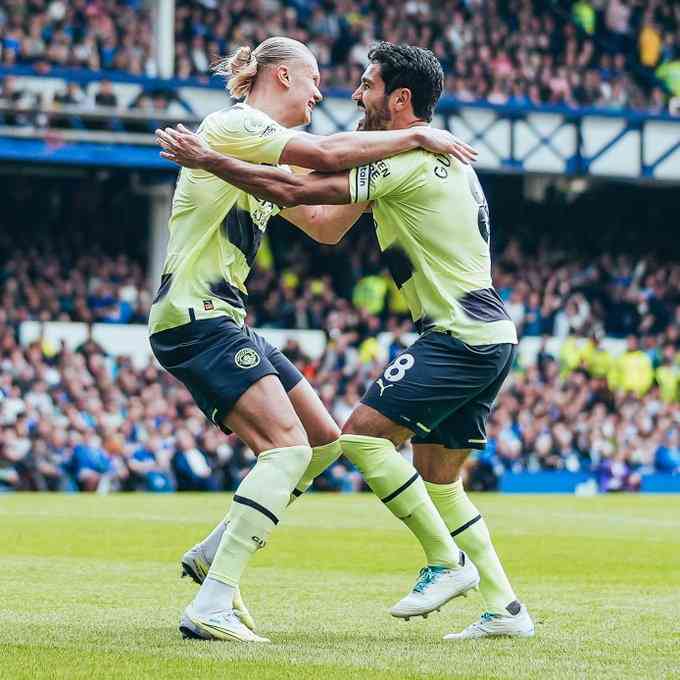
[510, 137]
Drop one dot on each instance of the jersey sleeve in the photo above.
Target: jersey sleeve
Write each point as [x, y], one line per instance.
[247, 134]
[393, 177]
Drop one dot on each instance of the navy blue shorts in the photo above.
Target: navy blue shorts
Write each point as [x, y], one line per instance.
[442, 389]
[217, 361]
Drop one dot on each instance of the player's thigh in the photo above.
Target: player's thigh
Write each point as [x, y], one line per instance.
[229, 375]
[367, 421]
[422, 386]
[319, 425]
[464, 427]
[264, 417]
[438, 464]
[462, 431]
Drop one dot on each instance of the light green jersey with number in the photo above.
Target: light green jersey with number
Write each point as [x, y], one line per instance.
[215, 228]
[432, 222]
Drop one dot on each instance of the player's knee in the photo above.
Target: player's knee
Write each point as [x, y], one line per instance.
[426, 469]
[325, 435]
[360, 422]
[353, 426]
[434, 475]
[367, 428]
[437, 464]
[286, 432]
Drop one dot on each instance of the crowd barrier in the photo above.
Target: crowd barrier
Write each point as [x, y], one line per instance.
[132, 339]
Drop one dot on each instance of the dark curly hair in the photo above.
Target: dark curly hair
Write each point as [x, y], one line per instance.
[414, 68]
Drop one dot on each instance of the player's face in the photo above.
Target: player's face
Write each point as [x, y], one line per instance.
[305, 80]
[371, 99]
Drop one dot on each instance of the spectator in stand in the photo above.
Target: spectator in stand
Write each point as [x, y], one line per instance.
[72, 95]
[585, 16]
[667, 458]
[150, 467]
[9, 92]
[649, 41]
[668, 375]
[105, 95]
[17, 100]
[617, 20]
[615, 474]
[633, 371]
[533, 319]
[190, 465]
[91, 465]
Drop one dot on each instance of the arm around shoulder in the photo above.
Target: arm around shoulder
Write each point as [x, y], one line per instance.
[345, 150]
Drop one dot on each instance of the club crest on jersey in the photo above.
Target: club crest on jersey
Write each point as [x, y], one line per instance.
[254, 123]
[208, 305]
[247, 358]
[261, 214]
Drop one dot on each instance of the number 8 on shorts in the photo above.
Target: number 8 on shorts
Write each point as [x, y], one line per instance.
[397, 370]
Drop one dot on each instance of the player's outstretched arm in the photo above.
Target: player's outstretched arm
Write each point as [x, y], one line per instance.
[269, 183]
[324, 223]
[345, 150]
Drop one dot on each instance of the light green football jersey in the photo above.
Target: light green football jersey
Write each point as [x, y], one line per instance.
[432, 222]
[215, 228]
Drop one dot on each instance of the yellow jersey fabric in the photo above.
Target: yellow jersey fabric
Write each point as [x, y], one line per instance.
[215, 228]
[433, 229]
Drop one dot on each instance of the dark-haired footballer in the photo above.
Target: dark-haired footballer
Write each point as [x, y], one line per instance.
[433, 228]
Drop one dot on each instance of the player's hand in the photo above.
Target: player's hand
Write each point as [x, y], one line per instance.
[442, 141]
[182, 146]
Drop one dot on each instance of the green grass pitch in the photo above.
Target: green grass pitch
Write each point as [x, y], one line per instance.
[89, 589]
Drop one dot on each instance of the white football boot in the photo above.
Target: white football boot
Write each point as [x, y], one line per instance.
[518, 624]
[196, 567]
[435, 587]
[224, 625]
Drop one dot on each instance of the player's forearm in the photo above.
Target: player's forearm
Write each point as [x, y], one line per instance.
[276, 185]
[345, 150]
[336, 220]
[270, 184]
[326, 224]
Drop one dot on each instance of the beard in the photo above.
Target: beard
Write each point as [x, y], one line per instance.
[377, 119]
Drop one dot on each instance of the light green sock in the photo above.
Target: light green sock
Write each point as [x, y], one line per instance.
[472, 535]
[258, 504]
[322, 458]
[399, 486]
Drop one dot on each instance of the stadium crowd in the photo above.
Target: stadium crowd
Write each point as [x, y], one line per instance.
[607, 53]
[83, 420]
[91, 288]
[552, 293]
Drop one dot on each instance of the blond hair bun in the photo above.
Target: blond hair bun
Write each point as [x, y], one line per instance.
[241, 68]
